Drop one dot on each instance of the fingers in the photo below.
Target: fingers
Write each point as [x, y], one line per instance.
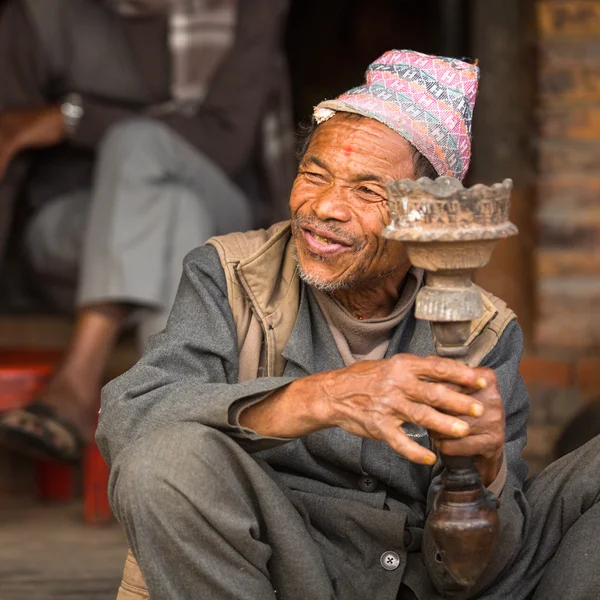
[446, 399]
[493, 420]
[447, 370]
[485, 444]
[430, 418]
[428, 392]
[402, 444]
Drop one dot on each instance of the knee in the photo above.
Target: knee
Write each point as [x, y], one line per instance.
[133, 138]
[152, 474]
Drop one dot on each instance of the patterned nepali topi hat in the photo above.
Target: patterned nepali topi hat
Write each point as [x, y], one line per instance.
[428, 100]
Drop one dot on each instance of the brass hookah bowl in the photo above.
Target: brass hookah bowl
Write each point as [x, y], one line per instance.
[449, 231]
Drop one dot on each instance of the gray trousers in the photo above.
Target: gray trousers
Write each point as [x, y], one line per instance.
[153, 199]
[207, 520]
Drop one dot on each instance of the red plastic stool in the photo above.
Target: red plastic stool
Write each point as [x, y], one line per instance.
[96, 509]
[23, 374]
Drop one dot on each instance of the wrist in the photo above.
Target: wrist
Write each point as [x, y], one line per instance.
[39, 128]
[289, 412]
[489, 468]
[51, 130]
[55, 117]
[320, 402]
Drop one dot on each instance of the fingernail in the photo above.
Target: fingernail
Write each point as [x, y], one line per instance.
[481, 383]
[460, 428]
[430, 459]
[476, 409]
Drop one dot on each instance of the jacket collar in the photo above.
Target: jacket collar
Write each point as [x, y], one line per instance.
[311, 345]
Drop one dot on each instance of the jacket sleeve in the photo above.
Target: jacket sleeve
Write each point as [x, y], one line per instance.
[189, 372]
[23, 69]
[504, 358]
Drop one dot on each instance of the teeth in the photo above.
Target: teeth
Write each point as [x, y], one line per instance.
[321, 239]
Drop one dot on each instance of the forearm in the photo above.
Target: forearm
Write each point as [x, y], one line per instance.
[147, 398]
[30, 127]
[290, 412]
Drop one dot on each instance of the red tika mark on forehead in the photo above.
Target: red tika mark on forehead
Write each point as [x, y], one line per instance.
[348, 150]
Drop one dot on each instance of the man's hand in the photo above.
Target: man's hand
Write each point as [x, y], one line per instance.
[28, 128]
[487, 432]
[376, 398]
[373, 399]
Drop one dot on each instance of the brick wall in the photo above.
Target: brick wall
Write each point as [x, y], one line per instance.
[558, 389]
[566, 329]
[568, 213]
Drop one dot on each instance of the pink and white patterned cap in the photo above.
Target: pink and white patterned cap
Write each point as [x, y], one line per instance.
[428, 100]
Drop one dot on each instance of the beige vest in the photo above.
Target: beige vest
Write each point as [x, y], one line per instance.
[263, 289]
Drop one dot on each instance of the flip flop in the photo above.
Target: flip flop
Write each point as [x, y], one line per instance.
[54, 438]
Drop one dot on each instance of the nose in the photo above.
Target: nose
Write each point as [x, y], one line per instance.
[332, 204]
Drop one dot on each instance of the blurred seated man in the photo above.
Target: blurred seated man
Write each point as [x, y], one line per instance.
[181, 106]
[280, 438]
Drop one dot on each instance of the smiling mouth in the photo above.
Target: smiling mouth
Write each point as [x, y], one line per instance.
[325, 238]
[321, 247]
[321, 239]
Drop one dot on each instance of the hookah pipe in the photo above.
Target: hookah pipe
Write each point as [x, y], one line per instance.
[449, 231]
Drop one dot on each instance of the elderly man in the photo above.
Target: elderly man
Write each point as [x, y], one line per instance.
[279, 438]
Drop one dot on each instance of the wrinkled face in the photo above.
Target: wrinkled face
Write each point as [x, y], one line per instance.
[339, 205]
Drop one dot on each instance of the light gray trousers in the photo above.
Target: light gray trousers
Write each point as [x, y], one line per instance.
[153, 199]
[207, 520]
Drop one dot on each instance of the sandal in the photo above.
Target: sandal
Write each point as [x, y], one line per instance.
[38, 430]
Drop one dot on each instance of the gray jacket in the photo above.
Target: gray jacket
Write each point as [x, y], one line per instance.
[190, 373]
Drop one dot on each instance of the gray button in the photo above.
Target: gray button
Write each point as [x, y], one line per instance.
[367, 483]
[390, 561]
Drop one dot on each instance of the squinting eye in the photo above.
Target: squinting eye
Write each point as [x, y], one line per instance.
[369, 192]
[312, 175]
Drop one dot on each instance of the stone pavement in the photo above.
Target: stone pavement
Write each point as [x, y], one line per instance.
[48, 553]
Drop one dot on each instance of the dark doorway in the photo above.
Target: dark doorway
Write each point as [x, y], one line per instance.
[330, 43]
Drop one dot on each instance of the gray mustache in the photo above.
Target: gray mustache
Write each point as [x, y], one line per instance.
[300, 222]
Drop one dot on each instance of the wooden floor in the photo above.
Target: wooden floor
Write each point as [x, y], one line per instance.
[47, 553]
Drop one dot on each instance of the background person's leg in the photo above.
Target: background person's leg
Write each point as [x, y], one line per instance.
[204, 520]
[62, 417]
[155, 199]
[187, 224]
